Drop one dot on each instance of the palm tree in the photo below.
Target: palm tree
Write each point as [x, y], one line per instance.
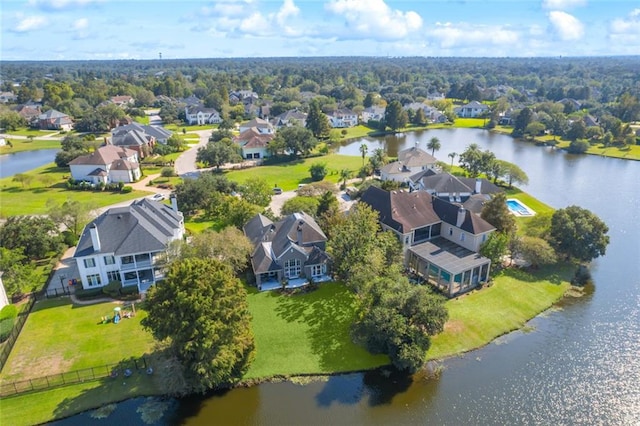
[344, 175]
[363, 150]
[452, 155]
[434, 145]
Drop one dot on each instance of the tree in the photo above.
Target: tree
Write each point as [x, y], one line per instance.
[229, 246]
[308, 205]
[219, 153]
[318, 171]
[536, 251]
[110, 114]
[71, 214]
[496, 212]
[495, 248]
[19, 275]
[297, 140]
[23, 179]
[378, 159]
[512, 173]
[36, 236]
[577, 130]
[419, 119]
[434, 145]
[201, 311]
[535, 128]
[345, 174]
[11, 120]
[578, 234]
[256, 191]
[317, 121]
[196, 194]
[524, 117]
[176, 142]
[234, 211]
[452, 155]
[475, 161]
[363, 151]
[394, 116]
[579, 146]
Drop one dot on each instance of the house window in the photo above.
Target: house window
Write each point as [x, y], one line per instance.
[450, 231]
[113, 276]
[126, 260]
[484, 237]
[109, 260]
[292, 268]
[89, 263]
[318, 270]
[462, 236]
[94, 280]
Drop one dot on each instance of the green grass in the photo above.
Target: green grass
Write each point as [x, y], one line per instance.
[288, 175]
[631, 152]
[179, 127]
[50, 183]
[63, 337]
[197, 224]
[20, 145]
[142, 120]
[481, 316]
[31, 132]
[306, 333]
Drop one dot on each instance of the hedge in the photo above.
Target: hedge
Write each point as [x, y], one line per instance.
[6, 325]
[9, 311]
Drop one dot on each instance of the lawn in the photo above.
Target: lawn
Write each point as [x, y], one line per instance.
[25, 131]
[189, 128]
[20, 145]
[306, 333]
[631, 152]
[63, 337]
[288, 175]
[514, 298]
[49, 182]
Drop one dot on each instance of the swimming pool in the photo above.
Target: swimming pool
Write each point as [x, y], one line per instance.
[518, 208]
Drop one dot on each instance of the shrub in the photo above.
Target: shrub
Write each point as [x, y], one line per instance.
[318, 171]
[167, 172]
[6, 325]
[126, 189]
[112, 289]
[89, 293]
[9, 311]
[130, 289]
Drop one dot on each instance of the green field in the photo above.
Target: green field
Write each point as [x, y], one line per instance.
[31, 132]
[49, 182]
[481, 316]
[20, 145]
[306, 333]
[288, 175]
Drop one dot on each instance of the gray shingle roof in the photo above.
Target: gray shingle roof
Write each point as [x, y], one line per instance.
[415, 157]
[448, 255]
[144, 226]
[103, 156]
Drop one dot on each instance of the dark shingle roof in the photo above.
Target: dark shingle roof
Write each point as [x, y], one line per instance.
[144, 226]
[415, 157]
[472, 223]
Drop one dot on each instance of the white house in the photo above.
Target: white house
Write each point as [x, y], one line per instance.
[107, 164]
[126, 244]
[198, 114]
[372, 113]
[342, 118]
[473, 109]
[262, 126]
[253, 143]
[410, 161]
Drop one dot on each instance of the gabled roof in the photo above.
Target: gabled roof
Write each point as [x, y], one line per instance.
[415, 157]
[395, 167]
[104, 155]
[143, 226]
[258, 123]
[194, 109]
[445, 183]
[131, 138]
[261, 260]
[155, 131]
[472, 223]
[259, 141]
[52, 114]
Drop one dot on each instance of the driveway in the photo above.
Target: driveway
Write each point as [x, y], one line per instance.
[186, 162]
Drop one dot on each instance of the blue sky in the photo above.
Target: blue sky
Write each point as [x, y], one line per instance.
[141, 29]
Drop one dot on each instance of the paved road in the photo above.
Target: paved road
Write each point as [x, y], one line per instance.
[186, 163]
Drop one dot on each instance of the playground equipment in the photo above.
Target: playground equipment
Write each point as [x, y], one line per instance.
[116, 314]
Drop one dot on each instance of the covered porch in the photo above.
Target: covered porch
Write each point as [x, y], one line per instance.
[272, 283]
[449, 267]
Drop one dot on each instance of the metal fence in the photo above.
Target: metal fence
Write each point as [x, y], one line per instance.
[15, 332]
[120, 370]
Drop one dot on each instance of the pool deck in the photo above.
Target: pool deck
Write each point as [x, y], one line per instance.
[529, 212]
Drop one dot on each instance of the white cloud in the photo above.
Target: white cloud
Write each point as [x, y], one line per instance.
[562, 4]
[81, 24]
[30, 23]
[630, 25]
[374, 19]
[288, 10]
[566, 26]
[229, 8]
[58, 5]
[451, 35]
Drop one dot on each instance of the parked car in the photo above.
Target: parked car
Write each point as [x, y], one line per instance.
[158, 197]
[277, 191]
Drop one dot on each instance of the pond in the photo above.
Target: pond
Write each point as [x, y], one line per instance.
[20, 162]
[575, 364]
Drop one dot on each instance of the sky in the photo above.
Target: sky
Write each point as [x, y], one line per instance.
[146, 29]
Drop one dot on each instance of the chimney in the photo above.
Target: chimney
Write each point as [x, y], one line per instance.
[462, 214]
[174, 202]
[478, 186]
[95, 238]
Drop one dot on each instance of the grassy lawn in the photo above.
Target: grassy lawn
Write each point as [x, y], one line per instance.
[631, 152]
[25, 131]
[20, 145]
[306, 333]
[179, 127]
[50, 183]
[481, 316]
[197, 224]
[63, 337]
[288, 175]
[142, 120]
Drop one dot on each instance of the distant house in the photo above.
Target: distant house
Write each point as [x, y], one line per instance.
[291, 250]
[122, 101]
[30, 113]
[430, 113]
[440, 240]
[126, 244]
[54, 120]
[198, 114]
[8, 97]
[289, 118]
[244, 96]
[253, 143]
[410, 161]
[473, 109]
[471, 193]
[262, 126]
[342, 118]
[107, 164]
[375, 113]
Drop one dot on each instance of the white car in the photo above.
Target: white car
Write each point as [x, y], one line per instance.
[157, 197]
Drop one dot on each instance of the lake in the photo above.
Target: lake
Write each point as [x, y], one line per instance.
[578, 363]
[20, 162]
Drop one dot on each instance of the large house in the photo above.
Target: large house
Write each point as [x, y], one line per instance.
[290, 118]
[107, 164]
[440, 240]
[290, 251]
[410, 161]
[139, 137]
[253, 143]
[471, 193]
[126, 244]
[54, 120]
[375, 113]
[262, 126]
[473, 109]
[342, 118]
[198, 114]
